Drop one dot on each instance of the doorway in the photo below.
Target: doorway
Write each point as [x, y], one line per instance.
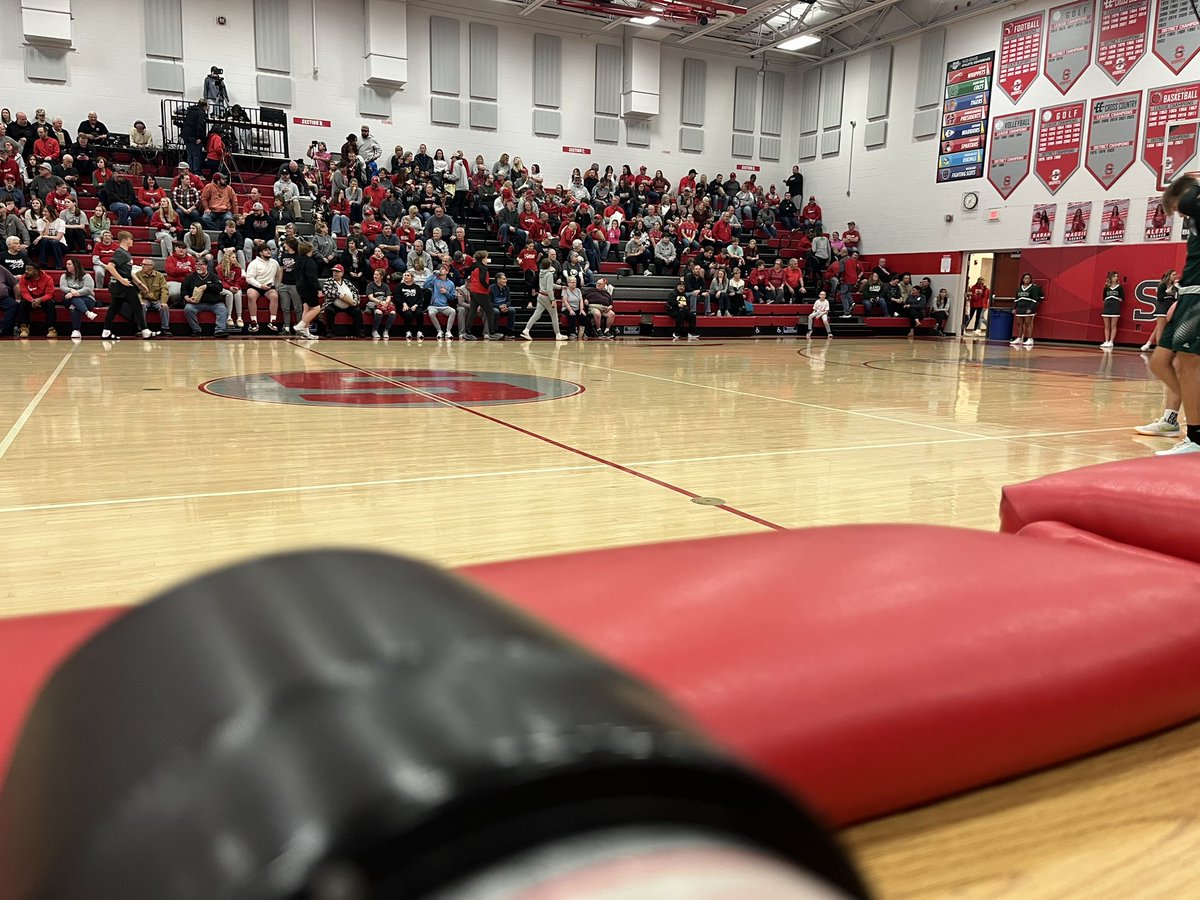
[1000, 271]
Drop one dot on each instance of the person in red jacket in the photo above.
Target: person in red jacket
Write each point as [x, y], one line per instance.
[810, 216]
[851, 238]
[214, 152]
[375, 192]
[479, 282]
[102, 252]
[567, 234]
[978, 296]
[757, 279]
[722, 231]
[180, 264]
[36, 290]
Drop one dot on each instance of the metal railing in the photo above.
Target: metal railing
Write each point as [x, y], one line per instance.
[247, 131]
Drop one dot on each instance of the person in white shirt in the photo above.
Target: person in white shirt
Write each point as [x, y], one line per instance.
[820, 313]
[262, 278]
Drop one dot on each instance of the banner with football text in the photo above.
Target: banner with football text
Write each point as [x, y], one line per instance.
[1020, 54]
[1112, 221]
[1079, 218]
[1041, 226]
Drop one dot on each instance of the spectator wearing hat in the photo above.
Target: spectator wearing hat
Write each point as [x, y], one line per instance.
[218, 201]
[141, 137]
[180, 264]
[45, 182]
[202, 292]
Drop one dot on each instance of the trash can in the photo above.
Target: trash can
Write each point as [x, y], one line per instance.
[1000, 325]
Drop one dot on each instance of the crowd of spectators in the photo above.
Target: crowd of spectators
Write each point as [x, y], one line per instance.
[374, 221]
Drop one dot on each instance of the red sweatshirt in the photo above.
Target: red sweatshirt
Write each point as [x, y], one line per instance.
[41, 289]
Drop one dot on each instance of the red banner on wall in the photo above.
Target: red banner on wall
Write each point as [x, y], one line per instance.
[1112, 221]
[1059, 144]
[1020, 54]
[1041, 226]
[1079, 218]
[1177, 106]
[315, 123]
[1121, 36]
[1158, 223]
[586, 151]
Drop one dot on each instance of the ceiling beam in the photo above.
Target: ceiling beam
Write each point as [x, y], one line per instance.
[819, 28]
[720, 22]
[531, 6]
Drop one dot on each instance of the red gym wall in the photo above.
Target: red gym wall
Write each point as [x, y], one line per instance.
[1074, 279]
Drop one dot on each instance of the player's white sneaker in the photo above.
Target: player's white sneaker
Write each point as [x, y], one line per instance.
[1161, 428]
[1184, 446]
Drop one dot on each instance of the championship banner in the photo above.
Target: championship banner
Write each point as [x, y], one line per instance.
[1112, 136]
[1069, 43]
[1177, 106]
[1112, 221]
[1121, 42]
[1059, 144]
[1020, 54]
[1079, 218]
[1041, 227]
[967, 96]
[1158, 223]
[1012, 144]
[1176, 33]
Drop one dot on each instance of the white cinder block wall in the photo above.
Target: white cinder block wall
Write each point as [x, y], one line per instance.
[106, 74]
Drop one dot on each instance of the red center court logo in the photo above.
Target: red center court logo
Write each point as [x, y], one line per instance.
[392, 387]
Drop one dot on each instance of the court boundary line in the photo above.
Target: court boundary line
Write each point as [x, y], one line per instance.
[31, 407]
[691, 495]
[418, 479]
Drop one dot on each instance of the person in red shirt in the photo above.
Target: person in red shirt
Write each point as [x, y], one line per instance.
[180, 264]
[149, 196]
[851, 238]
[371, 227]
[46, 148]
[978, 296]
[538, 229]
[775, 279]
[527, 262]
[642, 177]
[772, 199]
[214, 152]
[757, 279]
[804, 244]
[36, 290]
[687, 182]
[527, 218]
[11, 166]
[852, 271]
[567, 234]
[59, 198]
[810, 216]
[793, 281]
[102, 252]
[255, 197]
[375, 192]
[722, 231]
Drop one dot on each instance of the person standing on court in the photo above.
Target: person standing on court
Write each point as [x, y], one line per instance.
[1029, 296]
[1181, 335]
[479, 282]
[1110, 311]
[545, 301]
[125, 299]
[308, 285]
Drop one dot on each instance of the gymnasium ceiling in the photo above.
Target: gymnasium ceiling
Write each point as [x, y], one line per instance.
[843, 27]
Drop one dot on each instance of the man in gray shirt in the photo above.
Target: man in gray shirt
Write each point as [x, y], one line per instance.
[439, 219]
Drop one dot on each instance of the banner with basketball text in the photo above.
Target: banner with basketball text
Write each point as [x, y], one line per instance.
[1158, 223]
[1069, 43]
[1112, 136]
[1059, 144]
[1112, 221]
[1012, 145]
[1079, 218]
[1121, 38]
[1020, 54]
[1176, 33]
[1041, 226]
[1177, 107]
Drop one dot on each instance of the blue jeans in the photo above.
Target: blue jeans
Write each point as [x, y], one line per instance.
[694, 299]
[340, 225]
[122, 211]
[215, 221]
[191, 312]
[519, 237]
[869, 305]
[847, 297]
[79, 307]
[195, 155]
[8, 314]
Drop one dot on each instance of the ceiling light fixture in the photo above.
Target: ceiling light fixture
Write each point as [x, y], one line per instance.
[799, 42]
[644, 20]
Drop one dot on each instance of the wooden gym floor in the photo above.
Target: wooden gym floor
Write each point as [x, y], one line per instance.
[122, 477]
